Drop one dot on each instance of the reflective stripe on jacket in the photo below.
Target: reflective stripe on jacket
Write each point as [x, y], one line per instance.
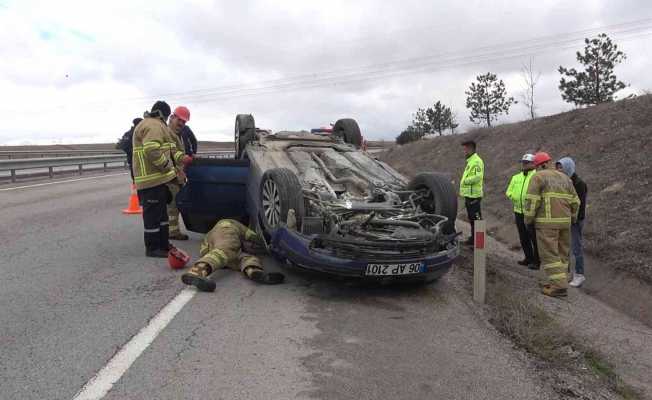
[473, 177]
[551, 201]
[517, 189]
[155, 154]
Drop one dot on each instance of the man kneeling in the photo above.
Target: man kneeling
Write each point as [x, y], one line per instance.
[222, 248]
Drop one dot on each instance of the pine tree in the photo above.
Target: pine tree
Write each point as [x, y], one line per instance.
[487, 99]
[433, 119]
[597, 83]
[411, 134]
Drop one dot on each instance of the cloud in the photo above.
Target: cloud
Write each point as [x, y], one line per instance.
[78, 74]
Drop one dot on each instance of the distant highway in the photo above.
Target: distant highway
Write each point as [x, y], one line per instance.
[83, 308]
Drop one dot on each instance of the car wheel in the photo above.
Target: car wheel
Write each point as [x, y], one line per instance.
[245, 132]
[280, 191]
[440, 197]
[348, 130]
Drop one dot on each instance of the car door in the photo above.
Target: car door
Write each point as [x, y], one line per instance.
[216, 189]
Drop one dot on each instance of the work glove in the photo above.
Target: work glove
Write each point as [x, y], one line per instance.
[186, 160]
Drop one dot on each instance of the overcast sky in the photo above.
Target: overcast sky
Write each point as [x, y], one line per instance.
[80, 71]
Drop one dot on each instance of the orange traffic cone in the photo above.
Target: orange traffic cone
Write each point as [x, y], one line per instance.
[134, 207]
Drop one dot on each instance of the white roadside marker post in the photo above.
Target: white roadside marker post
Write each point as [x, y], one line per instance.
[479, 263]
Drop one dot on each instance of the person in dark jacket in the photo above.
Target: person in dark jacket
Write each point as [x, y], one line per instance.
[126, 144]
[567, 166]
[189, 140]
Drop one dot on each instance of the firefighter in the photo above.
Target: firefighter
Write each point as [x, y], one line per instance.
[471, 185]
[154, 158]
[223, 248]
[552, 204]
[178, 120]
[516, 192]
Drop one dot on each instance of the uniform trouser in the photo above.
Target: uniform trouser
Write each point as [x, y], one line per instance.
[554, 251]
[173, 211]
[473, 211]
[527, 236]
[155, 216]
[222, 248]
[576, 240]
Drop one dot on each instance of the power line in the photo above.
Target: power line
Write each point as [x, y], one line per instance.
[393, 72]
[360, 74]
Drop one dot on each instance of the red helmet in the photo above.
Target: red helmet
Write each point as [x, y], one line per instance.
[177, 258]
[182, 113]
[541, 158]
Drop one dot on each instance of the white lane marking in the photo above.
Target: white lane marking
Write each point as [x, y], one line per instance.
[54, 183]
[99, 385]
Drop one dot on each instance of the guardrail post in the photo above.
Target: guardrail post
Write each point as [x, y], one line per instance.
[80, 169]
[13, 175]
[51, 172]
[104, 167]
[479, 262]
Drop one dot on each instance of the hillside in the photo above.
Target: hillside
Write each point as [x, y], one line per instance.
[612, 147]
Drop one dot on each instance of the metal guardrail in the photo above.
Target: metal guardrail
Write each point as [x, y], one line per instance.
[13, 165]
[53, 162]
[18, 154]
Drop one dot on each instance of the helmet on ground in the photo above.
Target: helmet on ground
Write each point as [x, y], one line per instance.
[182, 113]
[177, 258]
[541, 158]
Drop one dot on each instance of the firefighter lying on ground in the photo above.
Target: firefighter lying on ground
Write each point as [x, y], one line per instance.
[223, 248]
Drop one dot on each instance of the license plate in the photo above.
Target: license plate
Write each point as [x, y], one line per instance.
[394, 269]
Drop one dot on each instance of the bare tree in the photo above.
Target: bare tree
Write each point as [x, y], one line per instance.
[531, 79]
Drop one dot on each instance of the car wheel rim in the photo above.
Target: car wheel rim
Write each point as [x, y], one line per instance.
[271, 203]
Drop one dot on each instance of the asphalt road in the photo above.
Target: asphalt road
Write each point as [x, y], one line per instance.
[76, 288]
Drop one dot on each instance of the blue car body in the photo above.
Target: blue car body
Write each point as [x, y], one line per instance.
[218, 188]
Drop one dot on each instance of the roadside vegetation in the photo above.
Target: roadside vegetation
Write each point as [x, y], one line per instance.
[595, 82]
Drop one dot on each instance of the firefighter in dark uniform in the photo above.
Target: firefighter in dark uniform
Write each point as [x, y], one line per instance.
[223, 248]
[155, 155]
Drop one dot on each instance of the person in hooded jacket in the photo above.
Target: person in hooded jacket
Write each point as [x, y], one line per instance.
[567, 166]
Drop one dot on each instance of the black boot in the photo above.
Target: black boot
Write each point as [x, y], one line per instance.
[156, 253]
[269, 278]
[198, 277]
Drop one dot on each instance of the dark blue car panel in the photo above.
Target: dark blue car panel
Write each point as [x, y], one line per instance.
[295, 247]
[216, 189]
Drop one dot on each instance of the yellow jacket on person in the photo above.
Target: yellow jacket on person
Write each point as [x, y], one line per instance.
[551, 201]
[517, 189]
[473, 177]
[155, 154]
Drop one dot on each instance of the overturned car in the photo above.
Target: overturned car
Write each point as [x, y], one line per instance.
[323, 204]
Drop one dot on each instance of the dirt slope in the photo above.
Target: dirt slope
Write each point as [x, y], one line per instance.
[612, 147]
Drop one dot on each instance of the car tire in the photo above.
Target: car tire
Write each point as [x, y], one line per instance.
[348, 130]
[442, 199]
[280, 191]
[245, 132]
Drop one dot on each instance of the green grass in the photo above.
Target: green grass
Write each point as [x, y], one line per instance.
[606, 372]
